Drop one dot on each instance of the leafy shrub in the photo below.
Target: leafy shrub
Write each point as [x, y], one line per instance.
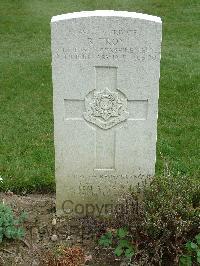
[11, 227]
[170, 204]
[172, 212]
[192, 252]
[121, 242]
[161, 216]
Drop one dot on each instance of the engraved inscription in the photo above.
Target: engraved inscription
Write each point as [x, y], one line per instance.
[87, 188]
[109, 53]
[112, 45]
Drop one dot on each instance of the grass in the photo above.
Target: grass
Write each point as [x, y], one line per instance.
[26, 118]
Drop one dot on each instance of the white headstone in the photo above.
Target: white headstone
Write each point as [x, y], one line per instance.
[106, 68]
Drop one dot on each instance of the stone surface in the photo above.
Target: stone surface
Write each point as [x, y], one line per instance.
[106, 68]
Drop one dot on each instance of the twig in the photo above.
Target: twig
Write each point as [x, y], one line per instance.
[2, 260]
[25, 243]
[8, 251]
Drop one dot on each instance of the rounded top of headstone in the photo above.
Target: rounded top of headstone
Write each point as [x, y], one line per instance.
[105, 13]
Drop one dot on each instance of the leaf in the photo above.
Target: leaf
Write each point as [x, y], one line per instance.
[118, 251]
[194, 246]
[122, 232]
[124, 243]
[23, 217]
[106, 240]
[191, 246]
[20, 233]
[8, 232]
[197, 237]
[9, 224]
[108, 234]
[185, 260]
[1, 221]
[129, 252]
[1, 234]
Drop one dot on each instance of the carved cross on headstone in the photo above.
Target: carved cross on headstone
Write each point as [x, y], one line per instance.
[105, 107]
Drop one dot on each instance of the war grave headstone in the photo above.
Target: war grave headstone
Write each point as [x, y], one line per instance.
[105, 71]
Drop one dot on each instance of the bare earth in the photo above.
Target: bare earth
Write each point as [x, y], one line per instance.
[44, 236]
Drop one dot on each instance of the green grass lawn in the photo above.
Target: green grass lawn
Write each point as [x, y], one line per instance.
[26, 118]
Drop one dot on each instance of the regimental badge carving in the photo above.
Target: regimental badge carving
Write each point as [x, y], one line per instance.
[105, 108]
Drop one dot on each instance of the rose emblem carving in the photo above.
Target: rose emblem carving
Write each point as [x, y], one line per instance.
[105, 108]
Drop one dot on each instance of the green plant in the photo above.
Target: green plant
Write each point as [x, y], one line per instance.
[162, 215]
[172, 207]
[193, 252]
[10, 226]
[106, 239]
[120, 239]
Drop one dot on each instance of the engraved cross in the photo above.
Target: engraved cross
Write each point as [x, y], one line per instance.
[105, 108]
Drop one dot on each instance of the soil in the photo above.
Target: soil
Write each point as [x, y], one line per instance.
[46, 234]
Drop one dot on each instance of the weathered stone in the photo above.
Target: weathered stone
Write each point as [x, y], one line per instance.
[106, 68]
